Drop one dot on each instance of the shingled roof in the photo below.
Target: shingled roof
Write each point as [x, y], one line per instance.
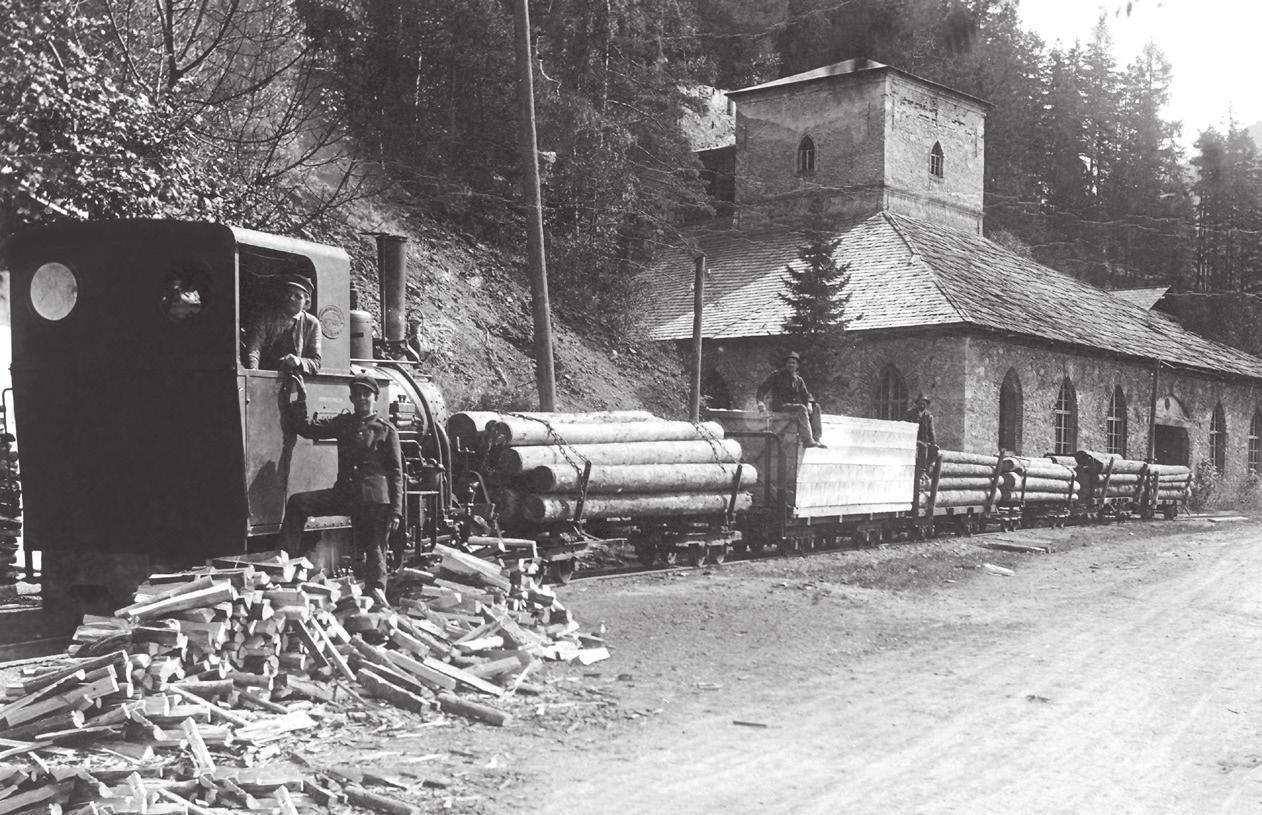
[905, 274]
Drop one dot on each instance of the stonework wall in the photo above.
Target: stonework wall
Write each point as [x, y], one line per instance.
[919, 115]
[873, 135]
[1042, 370]
[843, 118]
[963, 376]
[932, 364]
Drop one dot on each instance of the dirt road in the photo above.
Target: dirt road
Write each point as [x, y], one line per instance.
[1118, 674]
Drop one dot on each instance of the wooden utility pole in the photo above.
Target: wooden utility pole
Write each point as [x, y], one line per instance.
[545, 376]
[1152, 412]
[698, 303]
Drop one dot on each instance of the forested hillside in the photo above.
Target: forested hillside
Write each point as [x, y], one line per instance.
[324, 117]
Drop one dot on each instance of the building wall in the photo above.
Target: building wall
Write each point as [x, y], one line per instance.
[873, 134]
[963, 375]
[843, 118]
[1042, 369]
[929, 363]
[919, 115]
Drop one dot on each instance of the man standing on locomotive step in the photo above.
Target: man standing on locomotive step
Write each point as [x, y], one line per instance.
[789, 395]
[285, 336]
[369, 484]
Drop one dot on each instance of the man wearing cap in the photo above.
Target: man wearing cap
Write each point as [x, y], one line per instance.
[789, 395]
[369, 484]
[285, 337]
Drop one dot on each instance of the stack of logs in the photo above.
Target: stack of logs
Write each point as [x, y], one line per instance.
[623, 464]
[10, 510]
[1036, 481]
[189, 665]
[964, 479]
[972, 479]
[1129, 479]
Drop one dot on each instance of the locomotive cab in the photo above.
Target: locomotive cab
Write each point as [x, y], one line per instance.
[147, 444]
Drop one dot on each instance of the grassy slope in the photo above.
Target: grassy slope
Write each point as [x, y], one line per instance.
[473, 304]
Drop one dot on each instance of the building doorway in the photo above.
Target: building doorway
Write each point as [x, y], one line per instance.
[1170, 432]
[1171, 445]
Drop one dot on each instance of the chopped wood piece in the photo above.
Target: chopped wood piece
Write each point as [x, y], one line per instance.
[215, 710]
[484, 713]
[202, 761]
[216, 593]
[379, 685]
[270, 729]
[359, 796]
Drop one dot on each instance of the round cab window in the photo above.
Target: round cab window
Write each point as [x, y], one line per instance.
[54, 291]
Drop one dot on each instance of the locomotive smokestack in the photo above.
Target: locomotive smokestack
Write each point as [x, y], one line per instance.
[392, 269]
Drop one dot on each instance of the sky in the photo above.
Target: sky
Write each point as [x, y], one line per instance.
[1212, 46]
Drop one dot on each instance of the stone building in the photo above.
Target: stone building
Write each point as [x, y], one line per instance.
[1015, 355]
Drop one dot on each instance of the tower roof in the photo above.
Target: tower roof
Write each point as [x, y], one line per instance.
[846, 68]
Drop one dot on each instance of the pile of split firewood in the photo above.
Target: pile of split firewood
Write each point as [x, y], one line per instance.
[208, 664]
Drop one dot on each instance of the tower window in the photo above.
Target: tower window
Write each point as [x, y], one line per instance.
[935, 160]
[806, 156]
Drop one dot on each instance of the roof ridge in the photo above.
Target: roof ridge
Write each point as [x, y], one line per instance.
[933, 275]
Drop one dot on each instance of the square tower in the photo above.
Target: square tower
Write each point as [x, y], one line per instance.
[853, 138]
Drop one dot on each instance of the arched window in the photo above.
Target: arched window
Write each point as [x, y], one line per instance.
[806, 156]
[1065, 419]
[936, 160]
[1115, 424]
[891, 395]
[1255, 443]
[1218, 439]
[1011, 406]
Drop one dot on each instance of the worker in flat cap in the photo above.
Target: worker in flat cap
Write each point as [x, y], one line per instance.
[285, 336]
[919, 415]
[788, 394]
[369, 486]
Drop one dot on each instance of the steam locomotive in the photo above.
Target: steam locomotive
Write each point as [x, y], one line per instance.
[146, 443]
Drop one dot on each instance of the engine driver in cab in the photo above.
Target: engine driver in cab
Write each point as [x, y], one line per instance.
[369, 486]
[285, 336]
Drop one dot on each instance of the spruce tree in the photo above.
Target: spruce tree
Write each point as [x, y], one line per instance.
[815, 290]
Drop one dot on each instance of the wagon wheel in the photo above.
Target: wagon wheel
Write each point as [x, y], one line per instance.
[756, 548]
[671, 556]
[696, 555]
[740, 547]
[718, 554]
[561, 571]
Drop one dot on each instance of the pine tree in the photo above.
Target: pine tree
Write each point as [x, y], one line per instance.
[816, 294]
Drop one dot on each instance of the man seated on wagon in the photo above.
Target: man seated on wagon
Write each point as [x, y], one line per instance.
[789, 395]
[284, 336]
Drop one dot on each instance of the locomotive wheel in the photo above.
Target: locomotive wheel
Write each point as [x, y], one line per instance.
[561, 571]
[718, 554]
[671, 556]
[696, 555]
